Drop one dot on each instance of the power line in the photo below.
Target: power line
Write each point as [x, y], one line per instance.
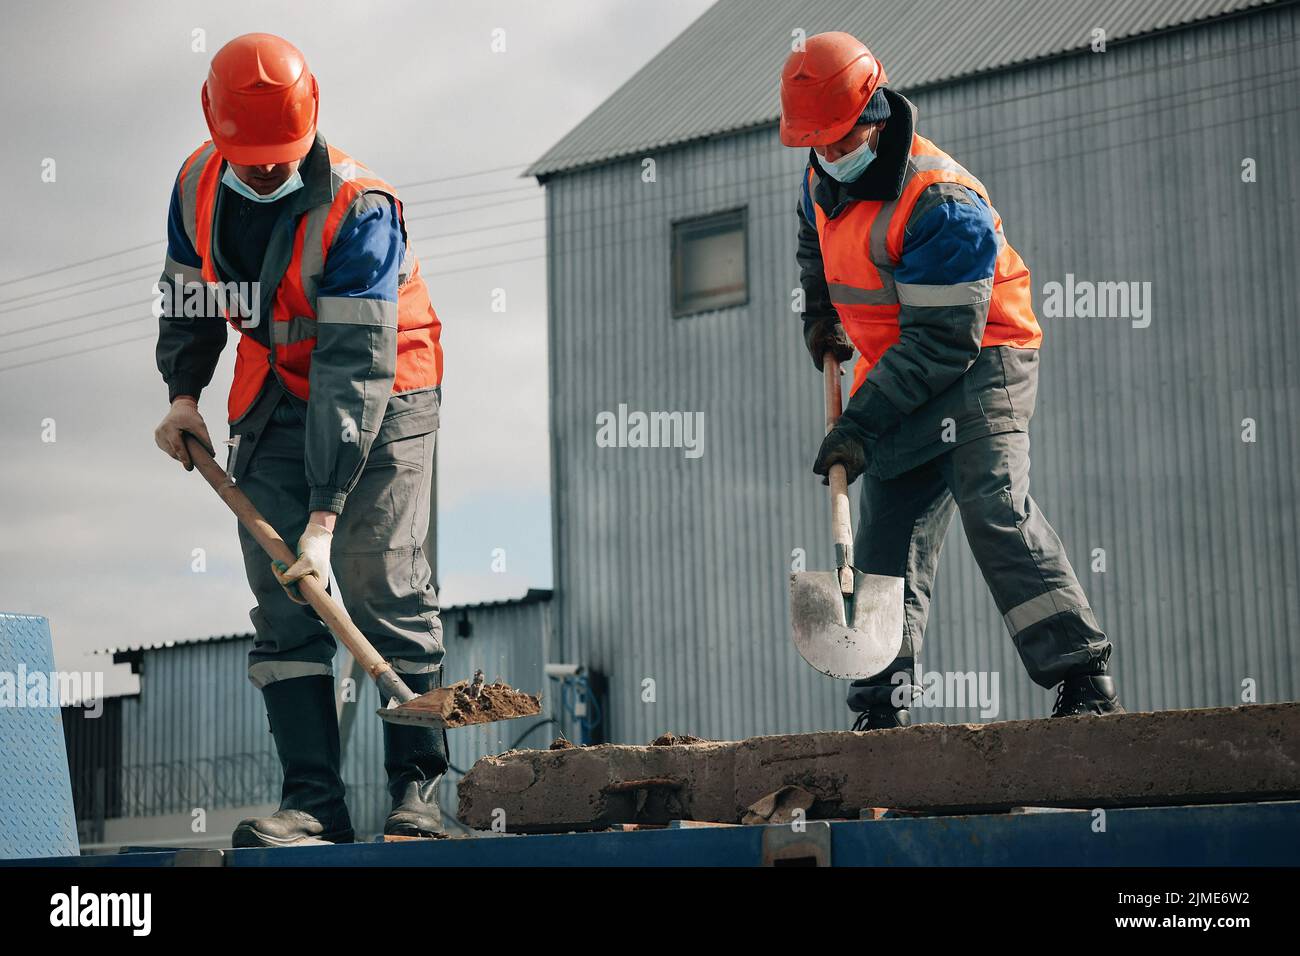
[405, 204]
[532, 188]
[71, 318]
[134, 277]
[1128, 143]
[155, 242]
[68, 335]
[83, 262]
[62, 355]
[620, 151]
[151, 268]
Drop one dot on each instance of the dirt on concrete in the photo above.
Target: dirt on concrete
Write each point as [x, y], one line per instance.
[559, 743]
[671, 739]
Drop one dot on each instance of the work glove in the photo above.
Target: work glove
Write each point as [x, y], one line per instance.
[183, 416]
[313, 558]
[824, 334]
[852, 441]
[843, 445]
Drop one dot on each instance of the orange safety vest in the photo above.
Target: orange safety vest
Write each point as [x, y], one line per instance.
[293, 328]
[862, 246]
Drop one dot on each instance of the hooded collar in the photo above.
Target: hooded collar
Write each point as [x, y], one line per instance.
[317, 182]
[883, 179]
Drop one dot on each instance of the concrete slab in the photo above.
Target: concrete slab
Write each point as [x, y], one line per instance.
[538, 791]
[1214, 755]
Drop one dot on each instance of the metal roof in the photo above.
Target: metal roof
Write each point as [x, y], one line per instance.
[720, 74]
[183, 642]
[531, 596]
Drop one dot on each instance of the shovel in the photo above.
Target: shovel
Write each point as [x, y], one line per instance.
[847, 624]
[454, 706]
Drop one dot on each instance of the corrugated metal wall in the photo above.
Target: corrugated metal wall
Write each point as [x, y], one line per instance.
[507, 642]
[196, 735]
[1117, 166]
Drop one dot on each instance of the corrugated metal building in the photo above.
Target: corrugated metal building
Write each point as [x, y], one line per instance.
[1117, 165]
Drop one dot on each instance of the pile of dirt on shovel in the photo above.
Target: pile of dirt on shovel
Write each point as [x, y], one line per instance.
[494, 702]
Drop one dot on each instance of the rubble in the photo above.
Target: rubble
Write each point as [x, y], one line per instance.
[780, 806]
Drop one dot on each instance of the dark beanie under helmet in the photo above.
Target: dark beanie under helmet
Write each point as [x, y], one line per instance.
[877, 110]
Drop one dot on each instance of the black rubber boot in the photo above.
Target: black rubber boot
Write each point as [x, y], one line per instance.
[415, 758]
[1088, 690]
[305, 727]
[881, 702]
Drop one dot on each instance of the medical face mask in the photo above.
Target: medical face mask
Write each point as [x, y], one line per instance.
[849, 166]
[292, 184]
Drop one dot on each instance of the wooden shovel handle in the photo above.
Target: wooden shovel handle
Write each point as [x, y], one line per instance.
[311, 588]
[841, 517]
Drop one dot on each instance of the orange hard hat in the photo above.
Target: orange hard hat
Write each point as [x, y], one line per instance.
[260, 101]
[825, 87]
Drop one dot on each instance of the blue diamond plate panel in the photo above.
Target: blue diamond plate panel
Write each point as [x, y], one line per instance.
[36, 814]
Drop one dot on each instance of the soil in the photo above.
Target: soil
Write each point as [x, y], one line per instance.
[496, 701]
[671, 739]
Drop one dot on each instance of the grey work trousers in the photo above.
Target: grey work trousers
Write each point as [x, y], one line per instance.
[901, 529]
[377, 556]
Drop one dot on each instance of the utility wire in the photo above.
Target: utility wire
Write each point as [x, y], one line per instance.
[620, 151]
[93, 348]
[518, 259]
[1128, 143]
[405, 204]
[1108, 114]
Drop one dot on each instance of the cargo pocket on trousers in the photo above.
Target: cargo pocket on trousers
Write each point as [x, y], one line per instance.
[986, 388]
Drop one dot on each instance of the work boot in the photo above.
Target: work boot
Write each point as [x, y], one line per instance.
[882, 718]
[1088, 690]
[881, 701]
[305, 727]
[415, 758]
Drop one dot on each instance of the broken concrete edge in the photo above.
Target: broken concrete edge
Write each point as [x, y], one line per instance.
[1217, 755]
[781, 806]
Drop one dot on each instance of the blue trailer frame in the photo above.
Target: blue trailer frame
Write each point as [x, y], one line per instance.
[1220, 835]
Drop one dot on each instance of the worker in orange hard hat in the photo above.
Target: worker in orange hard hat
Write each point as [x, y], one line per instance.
[903, 259]
[333, 413]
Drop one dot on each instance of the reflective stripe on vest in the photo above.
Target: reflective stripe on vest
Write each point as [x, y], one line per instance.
[862, 246]
[297, 310]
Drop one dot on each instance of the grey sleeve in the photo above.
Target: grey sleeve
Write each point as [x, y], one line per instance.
[191, 331]
[189, 345]
[355, 357]
[945, 283]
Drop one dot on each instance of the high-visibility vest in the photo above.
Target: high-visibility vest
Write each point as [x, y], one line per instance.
[293, 318]
[862, 246]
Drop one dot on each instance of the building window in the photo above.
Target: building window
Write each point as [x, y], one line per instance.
[709, 263]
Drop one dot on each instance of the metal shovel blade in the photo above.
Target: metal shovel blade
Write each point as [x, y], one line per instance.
[827, 641]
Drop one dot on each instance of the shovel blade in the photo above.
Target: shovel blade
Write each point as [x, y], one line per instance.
[834, 646]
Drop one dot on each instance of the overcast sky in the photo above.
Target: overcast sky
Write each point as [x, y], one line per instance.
[98, 527]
